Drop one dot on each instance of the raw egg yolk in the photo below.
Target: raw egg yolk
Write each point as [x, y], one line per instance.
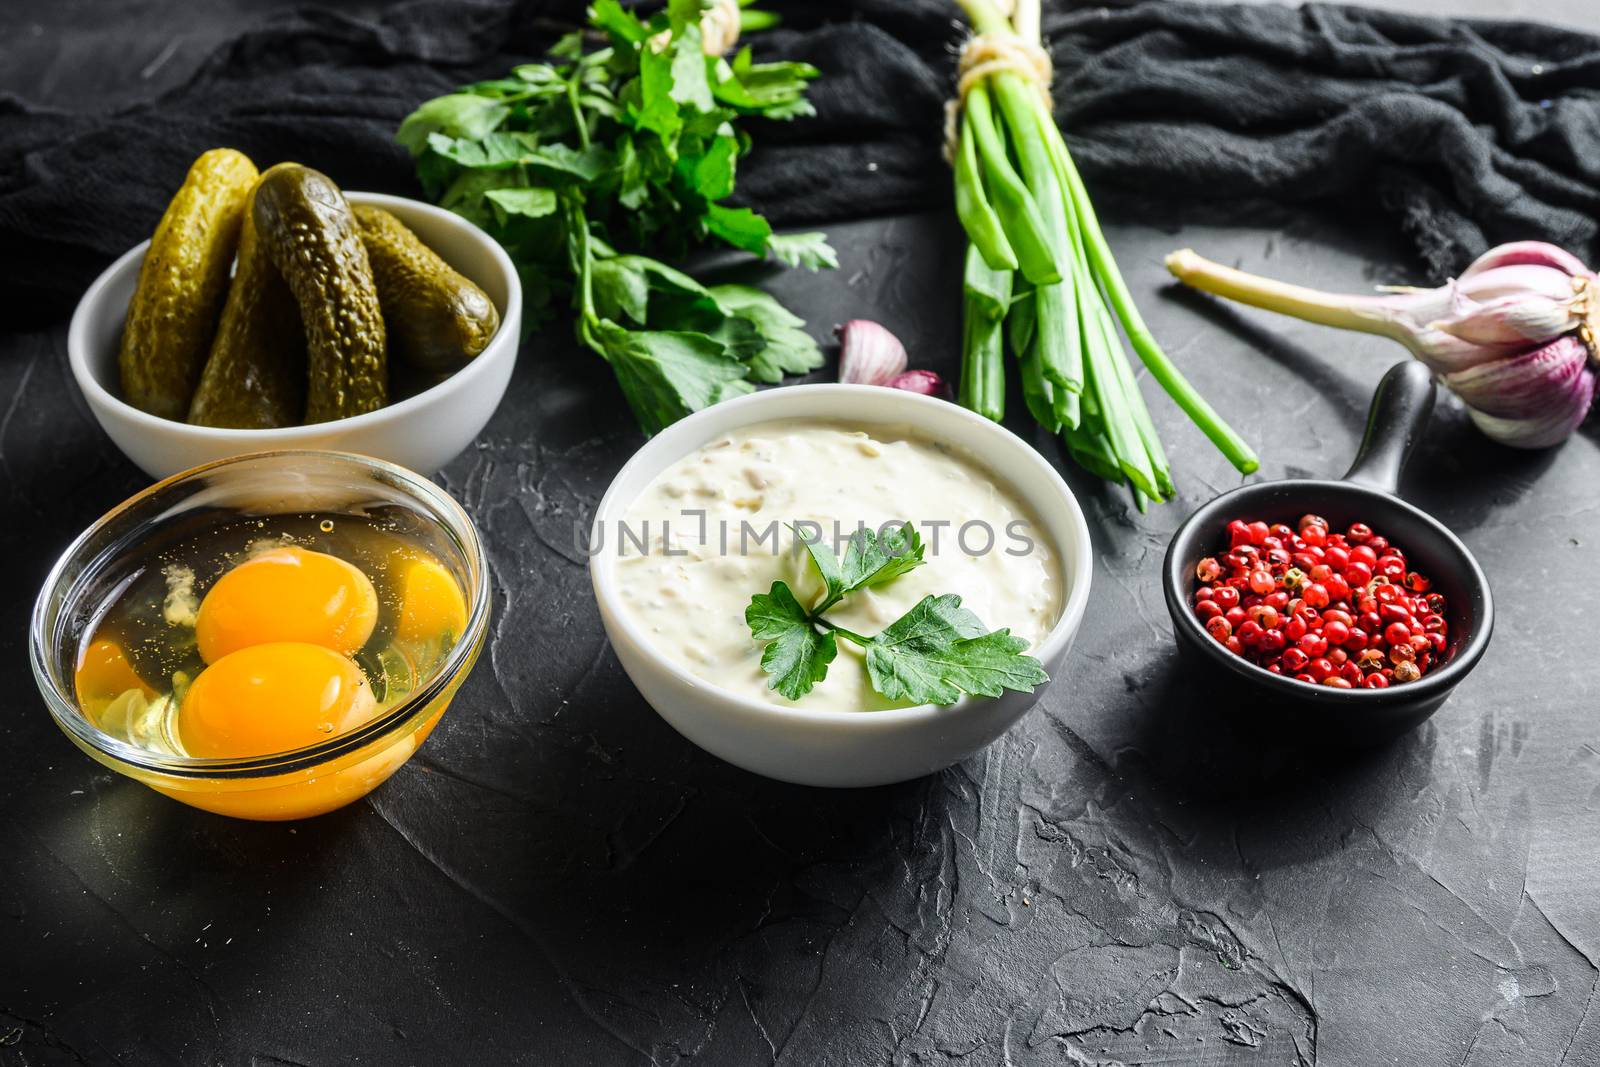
[272, 698]
[104, 672]
[287, 594]
[431, 604]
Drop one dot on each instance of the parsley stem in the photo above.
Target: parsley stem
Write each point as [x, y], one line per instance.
[576, 104]
[840, 631]
[827, 604]
[583, 254]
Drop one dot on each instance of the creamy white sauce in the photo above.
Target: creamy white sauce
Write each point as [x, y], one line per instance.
[688, 588]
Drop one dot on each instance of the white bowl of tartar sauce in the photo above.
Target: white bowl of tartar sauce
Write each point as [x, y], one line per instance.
[706, 515]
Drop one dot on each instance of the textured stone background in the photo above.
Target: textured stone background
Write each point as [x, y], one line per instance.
[559, 878]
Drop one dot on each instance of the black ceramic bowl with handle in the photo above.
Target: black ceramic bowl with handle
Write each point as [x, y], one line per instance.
[1400, 409]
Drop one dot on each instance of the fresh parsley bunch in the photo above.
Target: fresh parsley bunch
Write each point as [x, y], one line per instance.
[633, 146]
[930, 655]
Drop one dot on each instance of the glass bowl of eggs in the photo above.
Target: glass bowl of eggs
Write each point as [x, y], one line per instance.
[269, 636]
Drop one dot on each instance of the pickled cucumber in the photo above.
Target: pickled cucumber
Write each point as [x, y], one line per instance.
[182, 285]
[313, 239]
[436, 319]
[255, 377]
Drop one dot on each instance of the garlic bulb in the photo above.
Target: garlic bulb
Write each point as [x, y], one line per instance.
[1514, 336]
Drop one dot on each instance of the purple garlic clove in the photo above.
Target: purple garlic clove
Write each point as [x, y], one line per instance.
[1531, 400]
[1511, 322]
[1513, 306]
[1519, 280]
[925, 382]
[868, 353]
[1527, 253]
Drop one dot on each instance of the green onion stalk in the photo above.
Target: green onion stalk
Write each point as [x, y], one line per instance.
[1039, 277]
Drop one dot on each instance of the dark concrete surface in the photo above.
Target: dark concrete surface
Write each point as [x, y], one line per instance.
[557, 877]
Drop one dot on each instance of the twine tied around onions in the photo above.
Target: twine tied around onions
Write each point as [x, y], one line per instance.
[987, 54]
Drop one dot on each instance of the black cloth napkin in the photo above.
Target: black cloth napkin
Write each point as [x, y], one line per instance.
[1466, 133]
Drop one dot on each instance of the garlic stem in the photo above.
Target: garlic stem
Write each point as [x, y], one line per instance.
[1367, 314]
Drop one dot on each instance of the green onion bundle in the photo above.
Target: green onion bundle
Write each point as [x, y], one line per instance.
[1040, 279]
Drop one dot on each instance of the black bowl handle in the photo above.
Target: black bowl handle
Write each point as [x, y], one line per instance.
[1400, 409]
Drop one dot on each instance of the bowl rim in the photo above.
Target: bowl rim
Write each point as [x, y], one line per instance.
[100, 394]
[1436, 683]
[684, 436]
[442, 509]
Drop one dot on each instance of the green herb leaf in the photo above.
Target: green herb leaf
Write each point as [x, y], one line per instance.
[799, 654]
[739, 226]
[627, 147]
[669, 374]
[938, 650]
[741, 340]
[930, 655]
[466, 194]
[529, 203]
[542, 75]
[652, 293]
[568, 46]
[828, 566]
[682, 14]
[777, 89]
[869, 560]
[711, 174]
[500, 151]
[755, 21]
[785, 348]
[656, 109]
[808, 250]
[757, 305]
[689, 83]
[621, 290]
[501, 88]
[872, 560]
[490, 152]
[621, 24]
[455, 115]
[671, 77]
[772, 90]
[798, 108]
[583, 164]
[632, 188]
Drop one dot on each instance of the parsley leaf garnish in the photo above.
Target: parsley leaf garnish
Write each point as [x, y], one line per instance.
[577, 164]
[868, 560]
[799, 653]
[932, 654]
[939, 650]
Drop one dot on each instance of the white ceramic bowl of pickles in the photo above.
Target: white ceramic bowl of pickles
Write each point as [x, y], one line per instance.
[423, 431]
